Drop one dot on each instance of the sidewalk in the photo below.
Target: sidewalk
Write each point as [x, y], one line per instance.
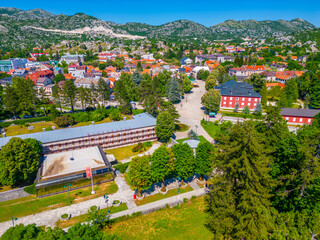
[124, 194]
[149, 152]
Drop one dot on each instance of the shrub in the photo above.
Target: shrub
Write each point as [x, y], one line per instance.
[93, 208]
[97, 116]
[122, 167]
[81, 117]
[64, 216]
[192, 135]
[30, 189]
[193, 197]
[138, 148]
[185, 200]
[147, 144]
[64, 121]
[115, 115]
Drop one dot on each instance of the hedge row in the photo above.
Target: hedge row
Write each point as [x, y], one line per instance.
[23, 121]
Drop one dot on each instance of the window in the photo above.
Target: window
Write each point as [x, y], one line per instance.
[309, 120]
[256, 100]
[237, 98]
[225, 98]
[300, 120]
[294, 119]
[224, 103]
[249, 104]
[230, 98]
[230, 103]
[249, 99]
[242, 104]
[287, 118]
[243, 99]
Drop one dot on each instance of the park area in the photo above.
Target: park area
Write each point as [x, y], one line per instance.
[185, 221]
[30, 205]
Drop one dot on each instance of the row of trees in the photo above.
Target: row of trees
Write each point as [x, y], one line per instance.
[150, 91]
[176, 161]
[267, 186]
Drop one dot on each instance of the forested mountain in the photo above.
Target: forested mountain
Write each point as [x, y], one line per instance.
[36, 27]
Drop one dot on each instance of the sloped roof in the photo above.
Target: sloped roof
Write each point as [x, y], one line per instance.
[237, 89]
[299, 112]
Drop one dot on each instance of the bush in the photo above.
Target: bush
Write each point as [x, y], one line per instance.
[22, 121]
[64, 216]
[115, 115]
[97, 116]
[122, 167]
[64, 121]
[185, 200]
[30, 189]
[138, 148]
[147, 144]
[81, 117]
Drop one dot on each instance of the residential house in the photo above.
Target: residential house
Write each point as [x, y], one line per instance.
[271, 85]
[246, 71]
[12, 63]
[76, 70]
[269, 76]
[214, 57]
[186, 61]
[72, 58]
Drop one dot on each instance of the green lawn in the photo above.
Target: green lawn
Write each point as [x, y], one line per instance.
[124, 152]
[83, 218]
[181, 127]
[185, 221]
[29, 205]
[212, 129]
[201, 139]
[19, 130]
[159, 196]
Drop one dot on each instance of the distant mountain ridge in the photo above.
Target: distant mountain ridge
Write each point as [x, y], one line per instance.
[36, 26]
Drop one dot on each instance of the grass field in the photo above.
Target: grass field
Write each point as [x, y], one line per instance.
[185, 221]
[201, 139]
[124, 152]
[19, 130]
[81, 124]
[212, 129]
[159, 196]
[181, 127]
[83, 218]
[29, 205]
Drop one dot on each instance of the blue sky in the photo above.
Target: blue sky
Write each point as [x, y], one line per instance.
[158, 12]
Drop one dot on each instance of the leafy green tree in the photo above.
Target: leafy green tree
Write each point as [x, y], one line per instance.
[58, 78]
[204, 159]
[203, 74]
[239, 205]
[165, 126]
[211, 82]
[150, 95]
[69, 92]
[22, 232]
[19, 160]
[291, 91]
[187, 85]
[257, 81]
[169, 107]
[160, 165]
[115, 115]
[264, 96]
[173, 92]
[211, 100]
[140, 173]
[246, 110]
[139, 67]
[184, 160]
[57, 96]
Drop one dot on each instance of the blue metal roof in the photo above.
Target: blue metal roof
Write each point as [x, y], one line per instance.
[138, 121]
[237, 89]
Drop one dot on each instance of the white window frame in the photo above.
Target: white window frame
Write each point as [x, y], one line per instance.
[230, 98]
[294, 119]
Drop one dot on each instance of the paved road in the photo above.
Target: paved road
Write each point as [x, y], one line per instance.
[191, 113]
[13, 194]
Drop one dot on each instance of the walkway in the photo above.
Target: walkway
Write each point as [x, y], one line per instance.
[149, 152]
[124, 194]
[191, 112]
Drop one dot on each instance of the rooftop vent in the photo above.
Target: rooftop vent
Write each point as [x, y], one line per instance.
[92, 122]
[4, 134]
[43, 129]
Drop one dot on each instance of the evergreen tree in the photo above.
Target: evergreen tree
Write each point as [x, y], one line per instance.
[173, 92]
[10, 100]
[184, 160]
[192, 135]
[136, 78]
[246, 110]
[103, 90]
[139, 67]
[258, 109]
[69, 92]
[236, 107]
[204, 159]
[238, 207]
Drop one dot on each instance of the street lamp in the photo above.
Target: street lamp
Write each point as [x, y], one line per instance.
[196, 126]
[179, 178]
[106, 197]
[13, 219]
[67, 186]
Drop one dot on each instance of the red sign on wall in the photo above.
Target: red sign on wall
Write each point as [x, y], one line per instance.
[88, 172]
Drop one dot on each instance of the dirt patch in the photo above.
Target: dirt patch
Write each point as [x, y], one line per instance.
[97, 161]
